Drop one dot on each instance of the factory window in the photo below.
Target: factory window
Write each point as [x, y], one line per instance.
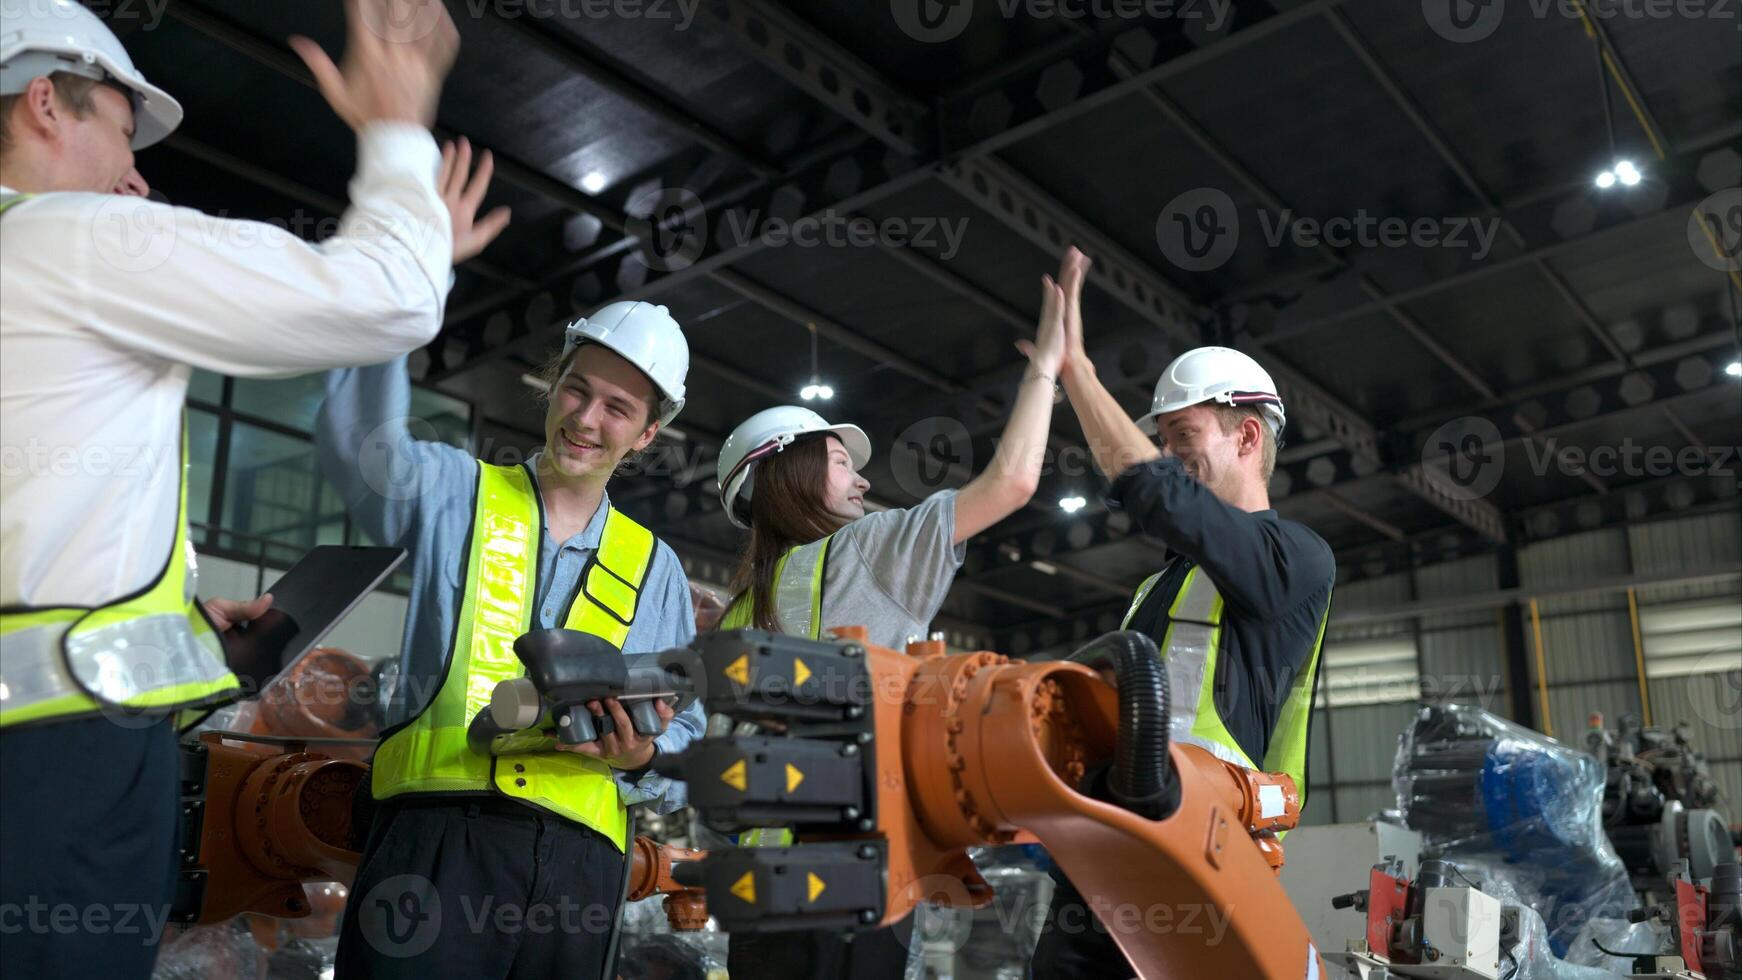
[1374, 670]
[202, 448]
[1699, 637]
[292, 402]
[274, 494]
[256, 492]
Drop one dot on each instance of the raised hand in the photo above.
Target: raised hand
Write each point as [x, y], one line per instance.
[463, 195]
[1046, 352]
[1073, 269]
[397, 52]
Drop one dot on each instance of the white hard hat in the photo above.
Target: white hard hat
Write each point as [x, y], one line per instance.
[41, 37]
[770, 431]
[647, 337]
[1218, 374]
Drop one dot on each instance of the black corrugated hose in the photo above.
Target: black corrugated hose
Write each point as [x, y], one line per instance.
[1142, 778]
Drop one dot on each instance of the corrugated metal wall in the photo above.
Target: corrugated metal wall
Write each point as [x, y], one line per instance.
[1588, 654]
[1462, 653]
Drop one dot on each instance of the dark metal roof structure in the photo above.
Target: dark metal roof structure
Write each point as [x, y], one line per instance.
[1389, 204]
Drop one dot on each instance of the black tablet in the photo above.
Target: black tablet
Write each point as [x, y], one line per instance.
[307, 602]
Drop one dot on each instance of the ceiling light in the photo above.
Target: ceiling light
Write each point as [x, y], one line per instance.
[1606, 180]
[593, 182]
[534, 381]
[1733, 369]
[1045, 568]
[1628, 173]
[816, 389]
[1071, 505]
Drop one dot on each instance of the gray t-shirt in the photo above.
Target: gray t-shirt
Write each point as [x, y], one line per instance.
[889, 571]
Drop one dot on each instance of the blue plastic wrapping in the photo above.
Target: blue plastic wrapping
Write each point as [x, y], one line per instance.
[1516, 806]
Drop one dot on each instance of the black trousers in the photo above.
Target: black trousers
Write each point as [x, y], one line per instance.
[1074, 942]
[88, 817]
[480, 887]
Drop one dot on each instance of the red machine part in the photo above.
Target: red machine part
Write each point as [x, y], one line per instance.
[1387, 906]
[992, 752]
[325, 694]
[273, 820]
[1690, 921]
[650, 864]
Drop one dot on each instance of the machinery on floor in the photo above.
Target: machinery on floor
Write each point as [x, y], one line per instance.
[1659, 802]
[891, 764]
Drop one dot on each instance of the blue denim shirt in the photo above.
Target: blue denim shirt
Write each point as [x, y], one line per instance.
[416, 493]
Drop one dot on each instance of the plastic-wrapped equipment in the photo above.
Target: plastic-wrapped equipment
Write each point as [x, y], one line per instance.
[1520, 807]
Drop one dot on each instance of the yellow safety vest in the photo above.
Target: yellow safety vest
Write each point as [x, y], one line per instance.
[429, 753]
[798, 593]
[153, 650]
[1190, 649]
[798, 599]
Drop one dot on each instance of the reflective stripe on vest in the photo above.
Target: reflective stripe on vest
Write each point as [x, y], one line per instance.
[429, 753]
[1190, 649]
[798, 598]
[798, 593]
[151, 650]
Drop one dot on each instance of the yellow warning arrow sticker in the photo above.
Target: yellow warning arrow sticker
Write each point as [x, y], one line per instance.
[739, 670]
[736, 776]
[815, 884]
[745, 889]
[793, 777]
[800, 673]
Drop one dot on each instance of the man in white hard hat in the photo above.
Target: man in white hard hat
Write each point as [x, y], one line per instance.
[107, 302]
[1239, 609]
[497, 551]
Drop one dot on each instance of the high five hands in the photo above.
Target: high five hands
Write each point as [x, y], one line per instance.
[1057, 347]
[397, 53]
[463, 190]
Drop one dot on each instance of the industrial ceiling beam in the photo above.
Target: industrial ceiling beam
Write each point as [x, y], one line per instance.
[1442, 147]
[279, 58]
[874, 172]
[573, 54]
[828, 72]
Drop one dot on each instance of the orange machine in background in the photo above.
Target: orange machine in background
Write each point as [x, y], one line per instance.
[268, 824]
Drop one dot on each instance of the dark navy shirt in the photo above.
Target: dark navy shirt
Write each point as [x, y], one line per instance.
[1275, 576]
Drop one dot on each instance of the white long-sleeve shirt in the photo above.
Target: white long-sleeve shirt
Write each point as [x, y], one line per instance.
[107, 303]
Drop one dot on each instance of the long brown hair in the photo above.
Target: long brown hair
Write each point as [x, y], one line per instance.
[787, 509]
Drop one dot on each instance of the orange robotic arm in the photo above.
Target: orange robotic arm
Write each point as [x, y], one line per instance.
[896, 763]
[262, 815]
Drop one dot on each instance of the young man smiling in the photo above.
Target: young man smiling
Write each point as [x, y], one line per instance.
[497, 551]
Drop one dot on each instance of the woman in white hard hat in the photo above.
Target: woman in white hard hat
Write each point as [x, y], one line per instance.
[497, 551]
[815, 559]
